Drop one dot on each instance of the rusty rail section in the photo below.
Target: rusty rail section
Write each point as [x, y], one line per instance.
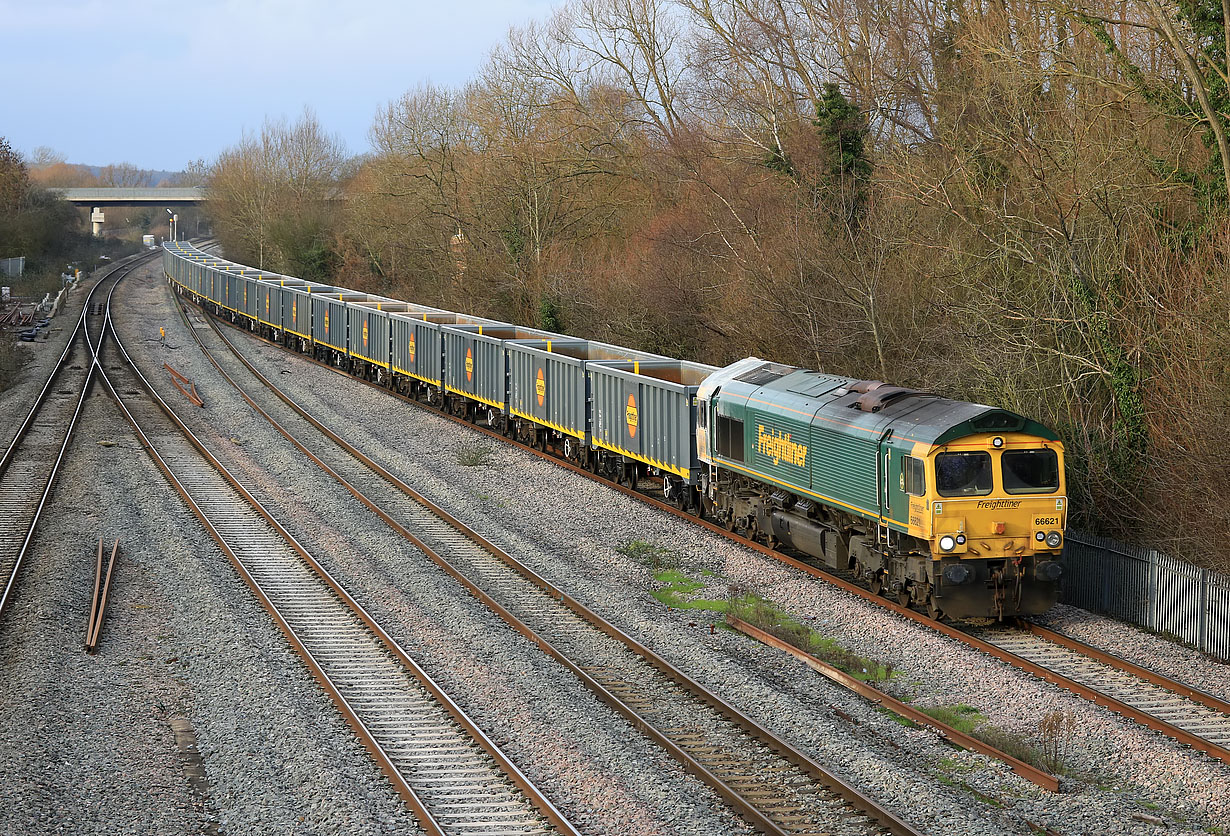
[98, 601]
[1031, 773]
[749, 810]
[947, 630]
[180, 382]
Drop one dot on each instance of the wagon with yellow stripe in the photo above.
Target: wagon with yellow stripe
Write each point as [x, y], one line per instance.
[418, 350]
[643, 421]
[476, 368]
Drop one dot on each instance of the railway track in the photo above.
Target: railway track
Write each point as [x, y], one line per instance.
[32, 460]
[1199, 720]
[449, 773]
[1142, 714]
[773, 785]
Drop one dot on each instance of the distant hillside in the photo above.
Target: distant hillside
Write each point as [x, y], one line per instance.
[77, 175]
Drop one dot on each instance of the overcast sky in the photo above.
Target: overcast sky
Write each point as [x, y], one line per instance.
[160, 84]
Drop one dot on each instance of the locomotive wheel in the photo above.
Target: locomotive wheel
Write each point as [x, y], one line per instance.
[933, 608]
[903, 596]
[877, 583]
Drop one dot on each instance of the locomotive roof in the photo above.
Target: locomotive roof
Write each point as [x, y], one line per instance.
[869, 408]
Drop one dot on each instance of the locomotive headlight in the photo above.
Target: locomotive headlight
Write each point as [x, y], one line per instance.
[1053, 539]
[948, 542]
[1040, 536]
[997, 442]
[960, 539]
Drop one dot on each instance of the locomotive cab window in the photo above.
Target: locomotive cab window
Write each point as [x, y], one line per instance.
[963, 474]
[702, 415]
[914, 478]
[730, 438]
[1030, 471]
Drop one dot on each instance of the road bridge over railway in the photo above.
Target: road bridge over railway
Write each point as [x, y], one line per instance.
[97, 198]
[177, 196]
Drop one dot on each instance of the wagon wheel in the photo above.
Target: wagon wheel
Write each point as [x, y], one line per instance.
[542, 440]
[877, 583]
[668, 493]
[491, 417]
[632, 476]
[694, 504]
[569, 448]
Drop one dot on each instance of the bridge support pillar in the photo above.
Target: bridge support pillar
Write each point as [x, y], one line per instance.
[96, 222]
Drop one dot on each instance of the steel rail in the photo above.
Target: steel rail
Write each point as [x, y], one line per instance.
[351, 714]
[37, 404]
[1119, 663]
[948, 630]
[739, 800]
[15, 562]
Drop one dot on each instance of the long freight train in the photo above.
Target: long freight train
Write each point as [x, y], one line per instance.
[956, 507]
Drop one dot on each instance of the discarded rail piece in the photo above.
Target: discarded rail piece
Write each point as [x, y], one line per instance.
[180, 382]
[98, 602]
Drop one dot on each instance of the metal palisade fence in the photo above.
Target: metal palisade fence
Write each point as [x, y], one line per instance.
[1148, 588]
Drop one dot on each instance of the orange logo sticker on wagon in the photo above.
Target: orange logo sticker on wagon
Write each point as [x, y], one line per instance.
[631, 416]
[410, 347]
[326, 322]
[365, 334]
[469, 365]
[540, 388]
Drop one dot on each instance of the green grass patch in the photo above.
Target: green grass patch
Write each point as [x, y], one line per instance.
[971, 721]
[474, 455]
[896, 718]
[678, 589]
[952, 766]
[774, 620]
[649, 554]
[962, 717]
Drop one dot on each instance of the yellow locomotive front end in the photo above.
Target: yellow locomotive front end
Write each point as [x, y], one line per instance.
[993, 512]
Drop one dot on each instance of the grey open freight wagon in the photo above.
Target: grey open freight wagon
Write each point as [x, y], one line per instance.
[475, 362]
[646, 410]
[418, 348]
[547, 383]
